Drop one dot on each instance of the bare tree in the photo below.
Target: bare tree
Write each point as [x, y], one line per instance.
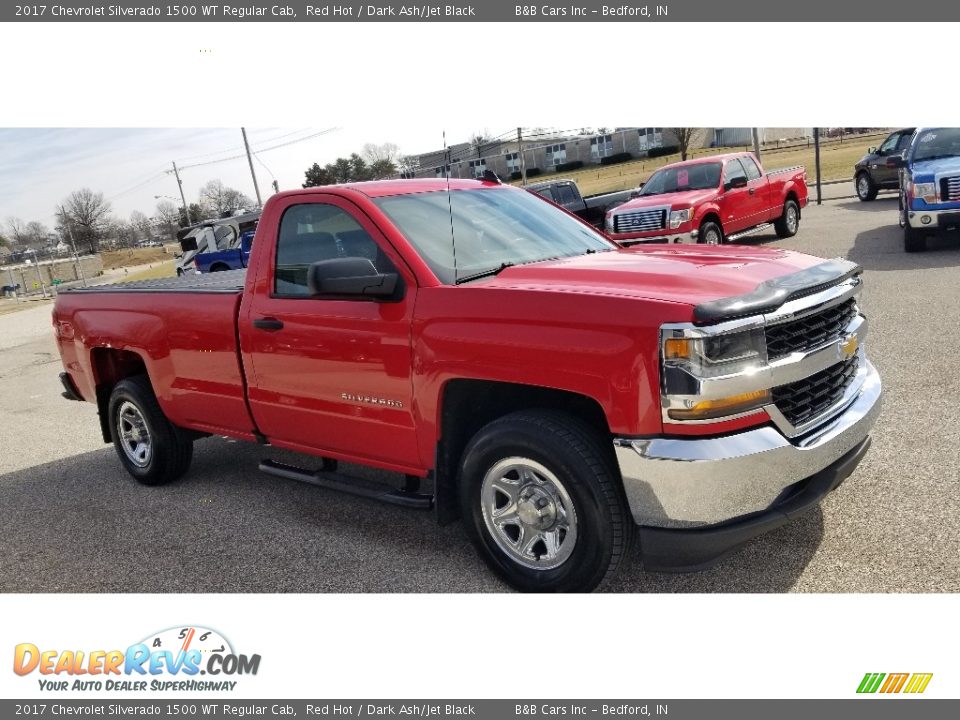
[169, 216]
[384, 152]
[409, 165]
[141, 224]
[87, 213]
[16, 229]
[687, 139]
[37, 232]
[479, 141]
[223, 201]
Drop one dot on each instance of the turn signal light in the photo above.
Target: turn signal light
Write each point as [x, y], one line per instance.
[710, 409]
[677, 349]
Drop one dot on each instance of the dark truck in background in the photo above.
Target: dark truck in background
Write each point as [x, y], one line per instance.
[592, 208]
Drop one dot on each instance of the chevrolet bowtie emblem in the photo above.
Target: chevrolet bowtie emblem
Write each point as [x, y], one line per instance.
[848, 347]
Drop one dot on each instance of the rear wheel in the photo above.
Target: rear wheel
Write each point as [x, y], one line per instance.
[151, 448]
[542, 503]
[789, 221]
[866, 189]
[710, 234]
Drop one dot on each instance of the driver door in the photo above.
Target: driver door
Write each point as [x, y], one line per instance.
[330, 376]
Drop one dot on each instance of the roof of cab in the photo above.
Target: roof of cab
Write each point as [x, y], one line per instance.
[385, 188]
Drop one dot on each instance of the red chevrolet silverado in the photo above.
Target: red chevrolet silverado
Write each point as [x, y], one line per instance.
[561, 394]
[710, 201]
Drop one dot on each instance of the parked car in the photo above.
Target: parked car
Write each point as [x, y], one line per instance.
[872, 173]
[711, 200]
[563, 395]
[929, 185]
[591, 208]
[231, 259]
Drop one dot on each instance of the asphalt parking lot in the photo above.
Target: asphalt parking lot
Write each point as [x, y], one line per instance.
[72, 521]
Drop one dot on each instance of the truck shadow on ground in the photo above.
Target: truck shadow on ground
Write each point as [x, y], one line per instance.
[80, 524]
[887, 204]
[882, 249]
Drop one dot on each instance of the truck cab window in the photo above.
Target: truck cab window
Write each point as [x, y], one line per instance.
[734, 170]
[753, 172]
[889, 145]
[314, 232]
[565, 195]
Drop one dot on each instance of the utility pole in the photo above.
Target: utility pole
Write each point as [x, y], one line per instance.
[73, 244]
[816, 155]
[253, 174]
[186, 208]
[756, 142]
[523, 163]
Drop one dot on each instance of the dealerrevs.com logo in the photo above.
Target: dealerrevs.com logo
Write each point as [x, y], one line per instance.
[893, 683]
[172, 659]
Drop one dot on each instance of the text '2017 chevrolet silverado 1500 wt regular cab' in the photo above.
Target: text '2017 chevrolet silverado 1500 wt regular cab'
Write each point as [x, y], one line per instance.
[561, 394]
[711, 201]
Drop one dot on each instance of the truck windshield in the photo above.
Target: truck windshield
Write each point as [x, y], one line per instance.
[938, 143]
[492, 229]
[701, 176]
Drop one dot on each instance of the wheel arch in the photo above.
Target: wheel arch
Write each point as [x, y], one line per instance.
[110, 366]
[466, 405]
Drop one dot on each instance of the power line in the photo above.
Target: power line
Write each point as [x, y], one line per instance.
[261, 150]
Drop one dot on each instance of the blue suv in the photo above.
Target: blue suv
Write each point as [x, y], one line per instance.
[929, 185]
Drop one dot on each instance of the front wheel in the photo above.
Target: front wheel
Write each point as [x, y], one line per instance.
[710, 234]
[866, 189]
[789, 221]
[151, 448]
[542, 503]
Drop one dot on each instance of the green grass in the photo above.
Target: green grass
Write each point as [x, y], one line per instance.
[160, 270]
[836, 163]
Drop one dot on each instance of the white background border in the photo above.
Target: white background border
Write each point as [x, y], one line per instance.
[722, 646]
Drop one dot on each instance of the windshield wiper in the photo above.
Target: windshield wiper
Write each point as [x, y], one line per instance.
[486, 273]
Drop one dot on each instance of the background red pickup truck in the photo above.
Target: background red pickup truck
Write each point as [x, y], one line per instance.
[711, 200]
[563, 395]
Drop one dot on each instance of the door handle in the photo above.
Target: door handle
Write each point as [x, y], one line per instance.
[268, 323]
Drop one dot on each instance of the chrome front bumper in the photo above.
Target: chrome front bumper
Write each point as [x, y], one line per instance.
[690, 483]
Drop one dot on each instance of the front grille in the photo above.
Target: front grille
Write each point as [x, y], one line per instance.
[950, 189]
[640, 221]
[809, 332]
[806, 399]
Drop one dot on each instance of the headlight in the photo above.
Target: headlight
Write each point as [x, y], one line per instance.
[720, 408]
[713, 356]
[925, 190]
[678, 217]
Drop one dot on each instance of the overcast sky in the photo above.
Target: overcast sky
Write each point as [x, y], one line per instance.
[40, 167]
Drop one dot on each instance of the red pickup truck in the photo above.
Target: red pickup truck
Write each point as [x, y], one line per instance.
[512, 365]
[711, 201]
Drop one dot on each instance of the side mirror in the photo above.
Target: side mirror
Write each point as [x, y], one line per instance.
[351, 277]
[737, 182]
[896, 161]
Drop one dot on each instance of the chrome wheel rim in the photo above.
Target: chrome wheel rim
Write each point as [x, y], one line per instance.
[712, 237]
[134, 435]
[863, 186]
[792, 219]
[529, 513]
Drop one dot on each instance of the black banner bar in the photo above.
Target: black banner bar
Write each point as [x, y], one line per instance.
[483, 11]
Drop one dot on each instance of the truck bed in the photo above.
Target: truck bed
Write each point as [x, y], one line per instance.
[228, 282]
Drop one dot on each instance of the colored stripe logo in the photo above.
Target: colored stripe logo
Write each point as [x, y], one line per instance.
[913, 683]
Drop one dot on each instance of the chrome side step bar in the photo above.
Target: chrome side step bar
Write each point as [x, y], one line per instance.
[408, 497]
[748, 231]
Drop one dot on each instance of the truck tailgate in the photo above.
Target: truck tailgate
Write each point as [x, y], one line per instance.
[184, 332]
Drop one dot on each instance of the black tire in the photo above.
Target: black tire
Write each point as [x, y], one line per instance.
[866, 189]
[785, 226]
[573, 453]
[170, 448]
[707, 230]
[914, 240]
[219, 268]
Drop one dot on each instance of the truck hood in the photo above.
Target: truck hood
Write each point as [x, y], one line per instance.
[931, 168]
[677, 199]
[688, 275]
